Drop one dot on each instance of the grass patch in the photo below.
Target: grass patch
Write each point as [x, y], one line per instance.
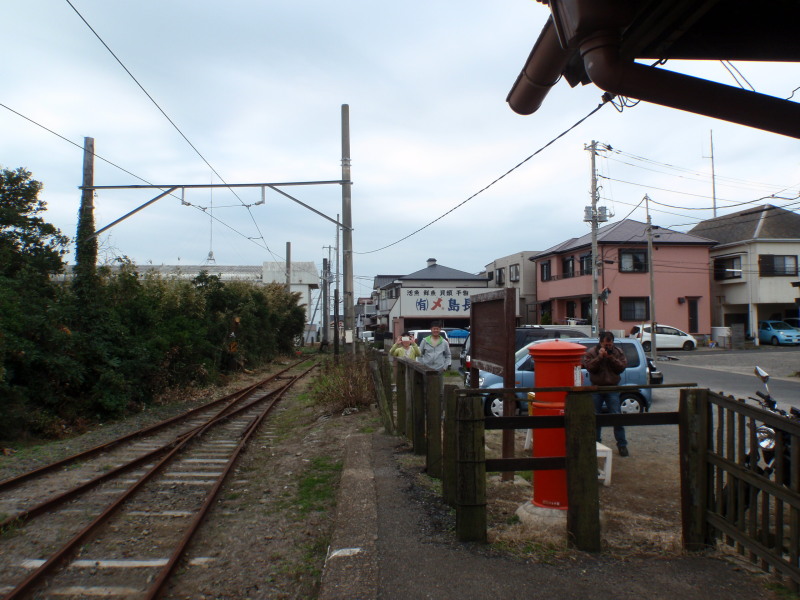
[316, 489]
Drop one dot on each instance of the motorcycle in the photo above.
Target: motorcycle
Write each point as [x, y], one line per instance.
[766, 461]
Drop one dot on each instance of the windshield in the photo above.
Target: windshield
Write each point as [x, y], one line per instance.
[781, 325]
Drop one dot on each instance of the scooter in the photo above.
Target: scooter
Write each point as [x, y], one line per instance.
[765, 461]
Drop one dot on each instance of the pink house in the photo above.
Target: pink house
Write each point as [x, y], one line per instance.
[680, 265]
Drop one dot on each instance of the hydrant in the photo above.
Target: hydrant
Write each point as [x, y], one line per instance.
[557, 364]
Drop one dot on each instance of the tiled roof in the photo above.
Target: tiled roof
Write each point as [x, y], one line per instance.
[440, 273]
[765, 222]
[627, 231]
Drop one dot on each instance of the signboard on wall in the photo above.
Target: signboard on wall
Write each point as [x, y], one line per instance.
[437, 302]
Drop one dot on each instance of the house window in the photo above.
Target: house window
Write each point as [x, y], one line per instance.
[490, 275]
[728, 268]
[586, 264]
[499, 276]
[776, 265]
[634, 309]
[632, 261]
[567, 267]
[513, 273]
[571, 309]
[546, 273]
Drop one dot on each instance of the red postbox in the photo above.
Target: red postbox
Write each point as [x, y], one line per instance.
[558, 364]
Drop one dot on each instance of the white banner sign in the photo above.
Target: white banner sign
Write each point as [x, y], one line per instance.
[437, 302]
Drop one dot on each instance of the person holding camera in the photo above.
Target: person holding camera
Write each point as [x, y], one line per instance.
[405, 347]
[605, 362]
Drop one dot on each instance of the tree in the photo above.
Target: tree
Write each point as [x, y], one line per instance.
[26, 240]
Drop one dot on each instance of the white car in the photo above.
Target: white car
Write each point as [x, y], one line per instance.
[668, 338]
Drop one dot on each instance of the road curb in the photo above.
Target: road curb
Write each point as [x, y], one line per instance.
[351, 567]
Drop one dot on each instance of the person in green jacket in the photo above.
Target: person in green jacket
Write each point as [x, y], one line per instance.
[405, 347]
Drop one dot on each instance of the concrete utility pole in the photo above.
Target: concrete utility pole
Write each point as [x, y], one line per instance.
[592, 214]
[347, 222]
[85, 241]
[288, 267]
[653, 324]
[325, 304]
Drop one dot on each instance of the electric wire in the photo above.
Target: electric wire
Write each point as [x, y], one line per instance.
[124, 170]
[171, 122]
[498, 179]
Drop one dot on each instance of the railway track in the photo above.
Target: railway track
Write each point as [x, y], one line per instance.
[115, 521]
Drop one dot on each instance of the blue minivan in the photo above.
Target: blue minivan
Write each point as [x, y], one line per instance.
[637, 373]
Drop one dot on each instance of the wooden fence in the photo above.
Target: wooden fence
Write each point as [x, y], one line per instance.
[722, 499]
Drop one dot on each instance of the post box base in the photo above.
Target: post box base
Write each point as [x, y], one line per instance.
[548, 522]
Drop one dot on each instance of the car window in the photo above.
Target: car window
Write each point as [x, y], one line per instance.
[670, 331]
[781, 326]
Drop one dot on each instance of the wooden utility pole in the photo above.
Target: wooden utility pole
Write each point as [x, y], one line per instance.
[325, 303]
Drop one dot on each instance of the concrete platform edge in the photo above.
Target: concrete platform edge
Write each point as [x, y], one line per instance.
[351, 566]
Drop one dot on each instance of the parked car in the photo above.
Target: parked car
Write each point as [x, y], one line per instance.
[668, 338]
[522, 336]
[777, 332]
[419, 334]
[793, 321]
[637, 373]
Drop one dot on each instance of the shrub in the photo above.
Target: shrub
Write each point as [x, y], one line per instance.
[345, 384]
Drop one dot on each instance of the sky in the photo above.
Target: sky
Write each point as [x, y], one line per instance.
[251, 92]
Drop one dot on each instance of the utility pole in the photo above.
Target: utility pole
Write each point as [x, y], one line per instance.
[347, 233]
[653, 324]
[85, 240]
[288, 267]
[713, 176]
[593, 215]
[325, 314]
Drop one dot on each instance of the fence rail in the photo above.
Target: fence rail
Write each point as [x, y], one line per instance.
[723, 499]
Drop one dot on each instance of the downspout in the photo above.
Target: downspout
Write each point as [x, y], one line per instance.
[541, 72]
[609, 72]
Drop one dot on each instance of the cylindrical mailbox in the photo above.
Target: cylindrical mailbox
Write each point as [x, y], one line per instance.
[557, 364]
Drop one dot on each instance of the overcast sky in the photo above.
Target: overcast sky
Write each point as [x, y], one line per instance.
[257, 89]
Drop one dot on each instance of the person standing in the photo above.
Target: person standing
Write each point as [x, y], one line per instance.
[435, 350]
[605, 362]
[405, 347]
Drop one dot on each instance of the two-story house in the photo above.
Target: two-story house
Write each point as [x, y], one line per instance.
[754, 265]
[518, 272]
[680, 269]
[435, 293]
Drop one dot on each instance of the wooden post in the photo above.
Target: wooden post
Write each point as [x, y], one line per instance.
[418, 413]
[400, 382]
[449, 446]
[583, 500]
[433, 421]
[386, 377]
[471, 471]
[383, 406]
[693, 435]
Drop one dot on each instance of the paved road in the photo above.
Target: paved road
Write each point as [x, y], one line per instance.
[731, 372]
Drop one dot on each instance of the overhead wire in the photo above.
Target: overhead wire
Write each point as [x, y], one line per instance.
[171, 122]
[606, 98]
[124, 170]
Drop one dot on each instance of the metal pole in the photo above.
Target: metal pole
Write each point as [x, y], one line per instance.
[653, 324]
[347, 233]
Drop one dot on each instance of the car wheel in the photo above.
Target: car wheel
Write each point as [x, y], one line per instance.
[631, 403]
[774, 341]
[493, 406]
[646, 346]
[688, 346]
